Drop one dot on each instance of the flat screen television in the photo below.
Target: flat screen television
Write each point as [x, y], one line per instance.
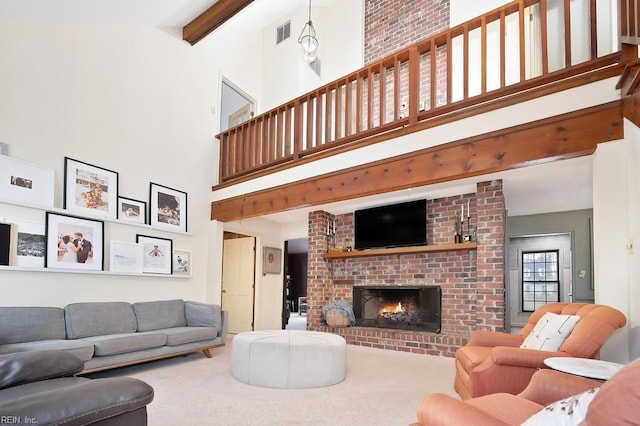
[395, 225]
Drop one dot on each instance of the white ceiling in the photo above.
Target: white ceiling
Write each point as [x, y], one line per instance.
[558, 186]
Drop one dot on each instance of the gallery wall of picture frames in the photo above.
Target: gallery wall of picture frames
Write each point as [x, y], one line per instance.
[72, 238]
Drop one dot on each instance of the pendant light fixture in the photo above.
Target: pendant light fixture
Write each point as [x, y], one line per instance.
[308, 40]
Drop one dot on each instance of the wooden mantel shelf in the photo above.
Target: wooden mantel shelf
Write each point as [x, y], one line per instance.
[401, 250]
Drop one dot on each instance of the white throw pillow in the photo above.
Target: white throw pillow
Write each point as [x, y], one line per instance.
[569, 411]
[550, 332]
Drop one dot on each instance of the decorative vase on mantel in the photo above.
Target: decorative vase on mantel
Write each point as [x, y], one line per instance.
[457, 225]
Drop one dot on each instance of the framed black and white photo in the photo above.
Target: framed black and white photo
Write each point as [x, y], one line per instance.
[271, 260]
[74, 242]
[182, 263]
[125, 257]
[6, 244]
[167, 208]
[90, 190]
[30, 244]
[26, 183]
[130, 210]
[157, 254]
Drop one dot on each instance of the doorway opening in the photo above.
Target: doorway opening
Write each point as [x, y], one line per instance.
[294, 297]
[540, 271]
[235, 106]
[238, 281]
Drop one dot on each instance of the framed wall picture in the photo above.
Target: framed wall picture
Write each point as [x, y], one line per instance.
[90, 190]
[271, 260]
[6, 243]
[182, 263]
[30, 244]
[125, 257]
[157, 254]
[167, 208]
[26, 183]
[130, 210]
[74, 242]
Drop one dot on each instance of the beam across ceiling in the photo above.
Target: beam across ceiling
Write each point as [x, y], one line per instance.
[556, 138]
[212, 18]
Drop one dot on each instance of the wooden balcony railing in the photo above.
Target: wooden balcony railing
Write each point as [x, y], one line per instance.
[513, 49]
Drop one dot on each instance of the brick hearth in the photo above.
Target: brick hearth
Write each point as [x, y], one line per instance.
[472, 281]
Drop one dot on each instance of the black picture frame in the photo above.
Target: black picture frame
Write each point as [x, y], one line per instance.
[90, 190]
[63, 231]
[157, 254]
[130, 210]
[167, 208]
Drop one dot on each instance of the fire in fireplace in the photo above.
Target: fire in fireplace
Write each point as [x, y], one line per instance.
[399, 307]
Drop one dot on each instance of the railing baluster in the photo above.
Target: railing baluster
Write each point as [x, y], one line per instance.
[521, 40]
[567, 33]
[483, 56]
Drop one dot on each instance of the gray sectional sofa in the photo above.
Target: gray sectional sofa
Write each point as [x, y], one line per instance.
[113, 334]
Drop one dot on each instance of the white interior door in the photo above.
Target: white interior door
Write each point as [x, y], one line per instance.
[238, 278]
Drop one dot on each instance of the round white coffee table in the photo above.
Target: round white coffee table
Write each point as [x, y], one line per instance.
[591, 368]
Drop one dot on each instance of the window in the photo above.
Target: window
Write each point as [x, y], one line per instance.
[540, 283]
[283, 32]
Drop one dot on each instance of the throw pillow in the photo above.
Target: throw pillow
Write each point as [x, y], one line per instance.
[550, 332]
[569, 411]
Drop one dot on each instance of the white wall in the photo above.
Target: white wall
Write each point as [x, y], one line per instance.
[340, 33]
[612, 216]
[135, 100]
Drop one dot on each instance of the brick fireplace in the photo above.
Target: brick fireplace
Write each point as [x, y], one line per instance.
[471, 281]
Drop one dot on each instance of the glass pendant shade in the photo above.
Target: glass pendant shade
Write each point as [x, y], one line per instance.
[308, 42]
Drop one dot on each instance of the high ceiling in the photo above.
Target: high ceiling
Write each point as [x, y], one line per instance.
[558, 186]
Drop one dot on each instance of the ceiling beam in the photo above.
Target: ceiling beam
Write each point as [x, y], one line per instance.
[212, 18]
[556, 138]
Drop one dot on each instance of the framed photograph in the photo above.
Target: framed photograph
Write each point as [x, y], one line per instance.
[156, 254]
[6, 243]
[271, 260]
[125, 257]
[90, 190]
[74, 242]
[30, 244]
[167, 208]
[26, 183]
[182, 263]
[130, 210]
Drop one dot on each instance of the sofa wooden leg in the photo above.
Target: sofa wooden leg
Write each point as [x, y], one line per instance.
[206, 353]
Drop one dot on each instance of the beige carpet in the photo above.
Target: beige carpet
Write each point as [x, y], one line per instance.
[381, 388]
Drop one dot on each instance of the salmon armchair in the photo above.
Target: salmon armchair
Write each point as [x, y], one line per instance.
[493, 362]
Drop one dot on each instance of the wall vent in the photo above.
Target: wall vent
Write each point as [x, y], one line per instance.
[283, 32]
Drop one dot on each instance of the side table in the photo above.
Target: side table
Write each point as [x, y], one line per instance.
[591, 368]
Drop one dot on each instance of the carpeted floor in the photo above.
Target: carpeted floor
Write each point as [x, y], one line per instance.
[381, 388]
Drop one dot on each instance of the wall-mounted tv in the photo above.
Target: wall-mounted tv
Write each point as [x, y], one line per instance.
[395, 225]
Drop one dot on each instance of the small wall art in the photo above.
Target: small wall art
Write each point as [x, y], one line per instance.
[182, 263]
[74, 242]
[156, 254]
[271, 260]
[167, 208]
[90, 190]
[26, 183]
[125, 257]
[130, 210]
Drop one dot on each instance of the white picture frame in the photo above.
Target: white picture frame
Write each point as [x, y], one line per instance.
[90, 190]
[26, 183]
[30, 244]
[182, 263]
[125, 257]
[157, 254]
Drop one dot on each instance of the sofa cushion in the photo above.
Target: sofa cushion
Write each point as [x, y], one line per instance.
[28, 324]
[202, 314]
[159, 314]
[180, 335]
[80, 348]
[99, 318]
[568, 411]
[130, 342]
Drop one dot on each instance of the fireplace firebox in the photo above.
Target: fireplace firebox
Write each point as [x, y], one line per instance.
[399, 307]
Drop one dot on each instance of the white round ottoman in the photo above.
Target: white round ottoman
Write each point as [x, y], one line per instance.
[288, 359]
